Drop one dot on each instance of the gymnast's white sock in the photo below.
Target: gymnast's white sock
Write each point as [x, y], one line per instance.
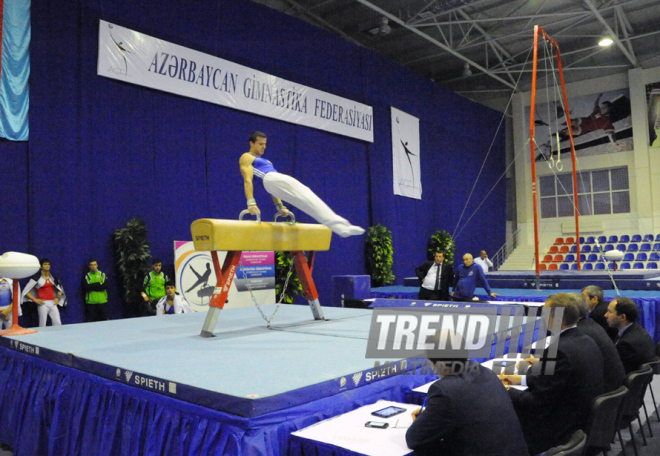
[345, 229]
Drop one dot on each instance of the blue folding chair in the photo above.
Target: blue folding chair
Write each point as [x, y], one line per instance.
[570, 258]
[636, 238]
[641, 257]
[638, 266]
[654, 256]
[621, 247]
[657, 238]
[573, 249]
[656, 247]
[613, 239]
[629, 257]
[600, 265]
[651, 265]
[588, 267]
[591, 240]
[645, 248]
[563, 267]
[625, 238]
[624, 266]
[633, 247]
[592, 257]
[602, 239]
[648, 238]
[574, 267]
[585, 248]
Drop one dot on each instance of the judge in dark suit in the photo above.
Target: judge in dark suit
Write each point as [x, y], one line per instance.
[634, 344]
[467, 412]
[556, 404]
[597, 308]
[435, 277]
[614, 375]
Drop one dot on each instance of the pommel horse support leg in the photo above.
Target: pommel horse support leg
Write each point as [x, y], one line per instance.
[236, 236]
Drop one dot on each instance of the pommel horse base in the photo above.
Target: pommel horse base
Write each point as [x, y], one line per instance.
[236, 236]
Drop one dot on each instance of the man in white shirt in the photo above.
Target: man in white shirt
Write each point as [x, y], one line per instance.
[484, 262]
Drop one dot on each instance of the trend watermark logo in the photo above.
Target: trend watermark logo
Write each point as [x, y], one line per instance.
[448, 337]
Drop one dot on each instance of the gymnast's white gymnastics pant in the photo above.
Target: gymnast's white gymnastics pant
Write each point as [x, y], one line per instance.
[290, 190]
[46, 309]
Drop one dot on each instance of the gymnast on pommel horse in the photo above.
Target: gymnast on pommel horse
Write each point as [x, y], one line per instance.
[283, 187]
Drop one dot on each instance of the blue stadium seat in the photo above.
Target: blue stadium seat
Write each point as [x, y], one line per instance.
[654, 256]
[625, 238]
[563, 267]
[624, 266]
[629, 257]
[648, 238]
[636, 238]
[601, 265]
[570, 258]
[588, 267]
[573, 249]
[602, 239]
[592, 257]
[608, 247]
[638, 266]
[581, 240]
[574, 267]
[610, 266]
[656, 247]
[591, 240]
[645, 248]
[587, 248]
[652, 265]
[633, 247]
[583, 258]
[613, 239]
[657, 238]
[621, 247]
[641, 257]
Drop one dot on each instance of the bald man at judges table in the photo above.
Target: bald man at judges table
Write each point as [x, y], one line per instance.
[467, 276]
[283, 187]
[557, 403]
[436, 276]
[634, 343]
[467, 411]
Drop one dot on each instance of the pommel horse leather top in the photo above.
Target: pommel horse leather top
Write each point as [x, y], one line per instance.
[236, 236]
[214, 234]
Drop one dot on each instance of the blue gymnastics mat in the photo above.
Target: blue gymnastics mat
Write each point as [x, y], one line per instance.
[247, 369]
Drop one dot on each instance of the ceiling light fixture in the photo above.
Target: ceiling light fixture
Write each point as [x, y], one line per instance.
[605, 39]
[384, 28]
[467, 72]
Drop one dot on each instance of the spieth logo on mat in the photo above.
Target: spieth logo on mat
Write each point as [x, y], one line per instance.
[356, 378]
[342, 382]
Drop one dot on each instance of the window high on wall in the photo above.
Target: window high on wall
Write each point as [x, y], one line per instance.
[604, 191]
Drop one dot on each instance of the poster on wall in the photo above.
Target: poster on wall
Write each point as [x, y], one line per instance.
[653, 100]
[405, 155]
[601, 125]
[195, 278]
[136, 58]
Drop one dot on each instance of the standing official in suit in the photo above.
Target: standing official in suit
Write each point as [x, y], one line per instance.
[598, 308]
[634, 343]
[466, 412]
[436, 276]
[556, 404]
[614, 375]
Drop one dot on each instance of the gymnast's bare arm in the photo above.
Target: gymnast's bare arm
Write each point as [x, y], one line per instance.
[246, 170]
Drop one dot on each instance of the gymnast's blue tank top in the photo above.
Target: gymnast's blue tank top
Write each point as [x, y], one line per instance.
[261, 167]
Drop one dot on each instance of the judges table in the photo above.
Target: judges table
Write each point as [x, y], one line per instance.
[346, 435]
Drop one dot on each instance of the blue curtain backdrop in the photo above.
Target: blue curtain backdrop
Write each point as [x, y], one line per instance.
[103, 151]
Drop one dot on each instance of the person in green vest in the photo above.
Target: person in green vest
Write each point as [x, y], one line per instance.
[154, 285]
[96, 294]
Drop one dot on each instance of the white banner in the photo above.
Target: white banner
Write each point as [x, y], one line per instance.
[195, 278]
[140, 59]
[405, 155]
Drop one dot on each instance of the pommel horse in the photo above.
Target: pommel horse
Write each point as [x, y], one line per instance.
[236, 236]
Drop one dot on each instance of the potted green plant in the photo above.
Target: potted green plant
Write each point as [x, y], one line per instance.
[379, 255]
[132, 256]
[284, 264]
[440, 240]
